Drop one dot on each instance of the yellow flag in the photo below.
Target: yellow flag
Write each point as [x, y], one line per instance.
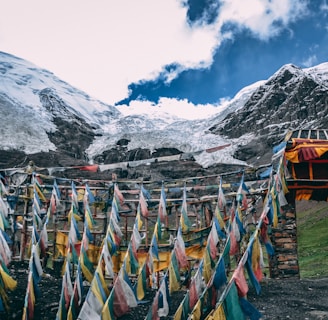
[102, 280]
[219, 314]
[197, 311]
[219, 217]
[178, 313]
[8, 281]
[207, 271]
[70, 314]
[256, 253]
[174, 275]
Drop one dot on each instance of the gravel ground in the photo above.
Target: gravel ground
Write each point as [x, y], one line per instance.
[292, 299]
[279, 298]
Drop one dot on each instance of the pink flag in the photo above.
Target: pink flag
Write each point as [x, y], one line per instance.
[143, 205]
[180, 250]
[240, 281]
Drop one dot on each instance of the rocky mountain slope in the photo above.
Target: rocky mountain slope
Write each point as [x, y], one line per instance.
[47, 120]
[291, 99]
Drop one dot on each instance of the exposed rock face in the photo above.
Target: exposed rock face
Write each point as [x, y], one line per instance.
[73, 134]
[290, 99]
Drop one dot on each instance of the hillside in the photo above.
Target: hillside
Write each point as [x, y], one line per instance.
[312, 221]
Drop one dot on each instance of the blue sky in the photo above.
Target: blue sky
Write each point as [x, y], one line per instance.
[245, 59]
[183, 56]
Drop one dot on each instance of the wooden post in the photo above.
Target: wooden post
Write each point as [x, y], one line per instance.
[146, 226]
[54, 241]
[126, 228]
[95, 207]
[24, 229]
[176, 218]
[167, 221]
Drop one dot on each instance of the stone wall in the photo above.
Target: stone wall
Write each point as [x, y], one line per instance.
[284, 263]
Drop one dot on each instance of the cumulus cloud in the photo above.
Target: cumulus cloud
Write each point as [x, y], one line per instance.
[264, 18]
[103, 47]
[183, 108]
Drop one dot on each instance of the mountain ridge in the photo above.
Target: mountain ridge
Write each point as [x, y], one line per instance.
[57, 120]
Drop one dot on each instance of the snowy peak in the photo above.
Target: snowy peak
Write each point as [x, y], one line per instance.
[35, 106]
[319, 73]
[42, 113]
[22, 82]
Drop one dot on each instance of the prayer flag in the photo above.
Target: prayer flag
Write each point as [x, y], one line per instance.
[89, 195]
[241, 194]
[180, 250]
[107, 259]
[74, 195]
[158, 229]
[108, 309]
[118, 195]
[221, 198]
[7, 281]
[240, 280]
[141, 283]
[124, 297]
[196, 287]
[154, 247]
[212, 241]
[86, 265]
[143, 204]
[5, 252]
[184, 219]
[153, 310]
[220, 277]
[174, 274]
[138, 219]
[162, 205]
[231, 304]
[74, 233]
[249, 266]
[88, 216]
[183, 310]
[163, 298]
[249, 310]
[208, 262]
[92, 307]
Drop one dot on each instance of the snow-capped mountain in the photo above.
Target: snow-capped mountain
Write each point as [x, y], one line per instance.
[293, 98]
[42, 114]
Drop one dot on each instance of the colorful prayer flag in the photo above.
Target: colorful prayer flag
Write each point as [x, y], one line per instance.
[174, 274]
[184, 219]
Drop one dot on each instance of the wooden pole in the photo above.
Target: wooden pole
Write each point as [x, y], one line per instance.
[24, 229]
[54, 240]
[176, 218]
[146, 226]
[126, 228]
[95, 206]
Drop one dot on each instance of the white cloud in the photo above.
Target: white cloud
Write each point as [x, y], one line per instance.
[102, 47]
[324, 6]
[265, 18]
[179, 108]
[310, 61]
